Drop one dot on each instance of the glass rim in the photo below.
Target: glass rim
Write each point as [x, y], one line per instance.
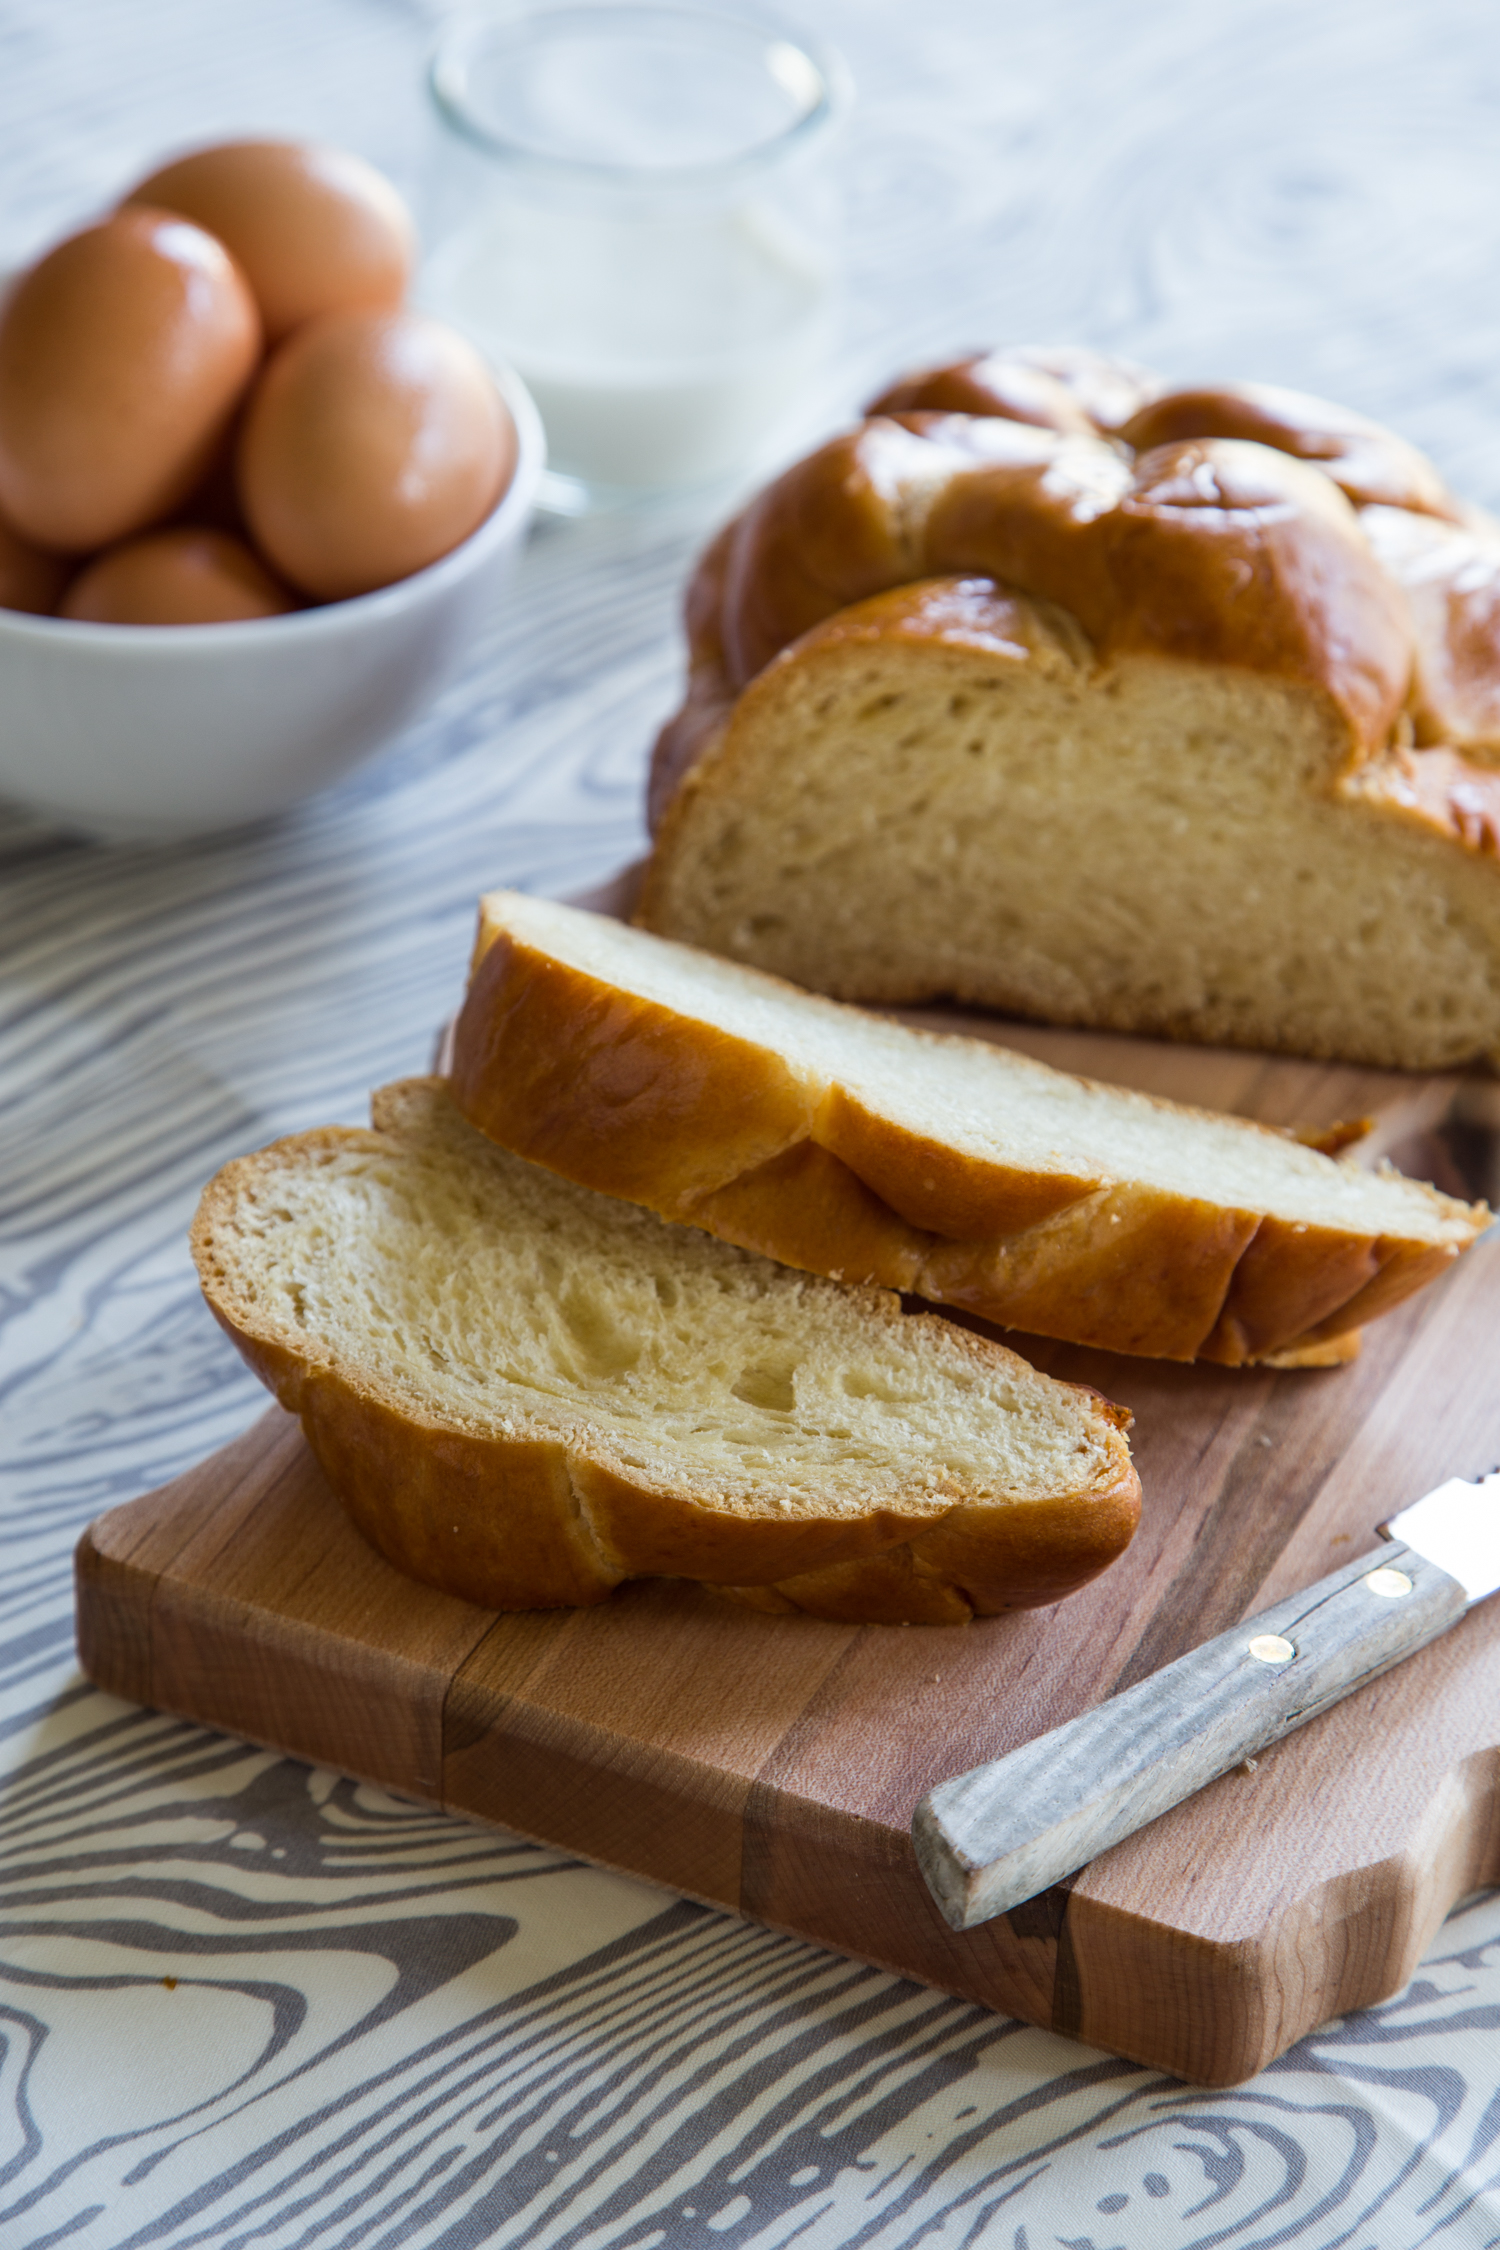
[460, 39]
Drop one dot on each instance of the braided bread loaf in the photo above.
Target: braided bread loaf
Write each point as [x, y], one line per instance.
[1051, 689]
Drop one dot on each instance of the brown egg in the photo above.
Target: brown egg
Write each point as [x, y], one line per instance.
[315, 230]
[181, 577]
[29, 579]
[373, 442]
[214, 501]
[122, 354]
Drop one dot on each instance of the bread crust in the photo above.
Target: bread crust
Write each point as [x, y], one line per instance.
[1216, 549]
[1450, 574]
[542, 1516]
[1370, 464]
[728, 1137]
[1230, 524]
[1074, 381]
[1438, 791]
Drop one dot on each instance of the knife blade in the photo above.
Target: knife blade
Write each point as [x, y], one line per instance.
[997, 1835]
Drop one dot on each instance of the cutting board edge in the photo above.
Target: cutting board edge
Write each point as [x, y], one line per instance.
[1241, 1961]
[113, 1590]
[1386, 1912]
[124, 1607]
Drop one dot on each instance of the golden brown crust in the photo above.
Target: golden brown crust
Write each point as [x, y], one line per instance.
[932, 1186]
[848, 521]
[1400, 1270]
[1215, 550]
[613, 1092]
[989, 383]
[706, 705]
[1334, 1351]
[808, 1208]
[533, 1517]
[1289, 1282]
[721, 1133]
[978, 1562]
[822, 535]
[425, 1498]
[1039, 528]
[1134, 1269]
[1368, 462]
[1228, 553]
[1062, 386]
[1018, 464]
[1450, 574]
[1436, 790]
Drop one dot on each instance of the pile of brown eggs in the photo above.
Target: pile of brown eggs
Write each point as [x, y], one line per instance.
[214, 404]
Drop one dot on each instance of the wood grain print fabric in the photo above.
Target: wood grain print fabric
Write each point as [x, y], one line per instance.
[243, 2001]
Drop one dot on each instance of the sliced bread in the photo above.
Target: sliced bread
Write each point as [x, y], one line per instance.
[850, 1145]
[525, 1393]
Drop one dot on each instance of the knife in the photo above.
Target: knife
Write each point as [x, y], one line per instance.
[993, 1837]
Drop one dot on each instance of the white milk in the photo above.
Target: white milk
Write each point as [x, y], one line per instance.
[659, 347]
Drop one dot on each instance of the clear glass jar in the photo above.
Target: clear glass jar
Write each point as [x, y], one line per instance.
[628, 204]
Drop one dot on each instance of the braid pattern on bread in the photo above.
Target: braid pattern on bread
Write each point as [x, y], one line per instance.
[1240, 524]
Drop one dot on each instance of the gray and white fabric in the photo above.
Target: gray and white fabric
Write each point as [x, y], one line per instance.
[243, 2002]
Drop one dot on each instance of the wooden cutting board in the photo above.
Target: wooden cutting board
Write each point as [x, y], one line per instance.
[771, 1764]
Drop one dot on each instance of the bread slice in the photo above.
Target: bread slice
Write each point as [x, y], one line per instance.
[850, 1145]
[524, 1393]
[941, 793]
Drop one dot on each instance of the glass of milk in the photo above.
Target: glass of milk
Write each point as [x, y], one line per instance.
[629, 206]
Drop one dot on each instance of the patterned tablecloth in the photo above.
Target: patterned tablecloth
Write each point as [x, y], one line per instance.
[242, 2002]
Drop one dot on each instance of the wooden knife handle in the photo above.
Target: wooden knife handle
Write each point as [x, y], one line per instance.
[993, 1837]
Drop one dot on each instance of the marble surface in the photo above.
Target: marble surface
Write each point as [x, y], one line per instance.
[244, 2002]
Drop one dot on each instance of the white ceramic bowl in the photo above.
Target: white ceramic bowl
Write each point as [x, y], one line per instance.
[155, 731]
